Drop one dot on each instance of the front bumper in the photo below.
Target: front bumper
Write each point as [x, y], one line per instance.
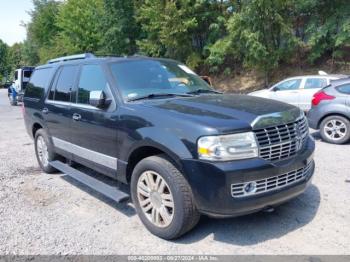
[211, 182]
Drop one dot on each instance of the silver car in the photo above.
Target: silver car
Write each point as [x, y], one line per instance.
[297, 90]
[330, 112]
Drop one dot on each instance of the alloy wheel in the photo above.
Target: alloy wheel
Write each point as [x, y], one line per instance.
[43, 152]
[335, 129]
[155, 198]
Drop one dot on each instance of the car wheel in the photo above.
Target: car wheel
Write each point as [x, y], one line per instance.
[335, 129]
[13, 101]
[44, 151]
[163, 198]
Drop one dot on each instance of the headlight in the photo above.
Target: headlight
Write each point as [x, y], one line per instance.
[228, 147]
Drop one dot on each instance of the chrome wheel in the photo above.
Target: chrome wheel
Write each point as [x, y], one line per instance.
[335, 129]
[155, 198]
[43, 152]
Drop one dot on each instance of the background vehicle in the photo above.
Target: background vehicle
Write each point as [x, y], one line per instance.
[21, 79]
[298, 90]
[330, 112]
[184, 148]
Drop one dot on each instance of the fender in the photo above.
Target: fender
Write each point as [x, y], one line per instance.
[159, 138]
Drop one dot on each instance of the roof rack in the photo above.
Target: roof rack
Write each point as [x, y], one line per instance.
[71, 57]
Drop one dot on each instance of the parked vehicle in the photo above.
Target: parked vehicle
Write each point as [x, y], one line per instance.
[330, 112]
[184, 148]
[21, 79]
[298, 90]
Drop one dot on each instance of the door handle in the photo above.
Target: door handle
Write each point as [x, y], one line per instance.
[76, 117]
[45, 110]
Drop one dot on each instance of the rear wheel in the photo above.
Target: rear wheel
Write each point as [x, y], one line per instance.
[335, 129]
[13, 101]
[162, 197]
[44, 151]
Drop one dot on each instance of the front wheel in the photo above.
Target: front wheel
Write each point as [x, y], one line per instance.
[163, 198]
[335, 129]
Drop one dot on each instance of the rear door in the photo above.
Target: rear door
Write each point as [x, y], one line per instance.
[94, 134]
[287, 91]
[57, 107]
[310, 87]
[345, 92]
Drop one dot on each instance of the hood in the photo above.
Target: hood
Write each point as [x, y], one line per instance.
[226, 112]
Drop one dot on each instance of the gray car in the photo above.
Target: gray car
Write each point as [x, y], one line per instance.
[330, 112]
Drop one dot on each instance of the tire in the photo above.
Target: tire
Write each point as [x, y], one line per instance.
[183, 215]
[335, 129]
[44, 156]
[13, 102]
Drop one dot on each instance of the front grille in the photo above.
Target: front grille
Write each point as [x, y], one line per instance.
[271, 183]
[282, 141]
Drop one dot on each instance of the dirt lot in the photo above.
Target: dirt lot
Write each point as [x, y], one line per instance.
[49, 214]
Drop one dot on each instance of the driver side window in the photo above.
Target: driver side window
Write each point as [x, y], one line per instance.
[292, 84]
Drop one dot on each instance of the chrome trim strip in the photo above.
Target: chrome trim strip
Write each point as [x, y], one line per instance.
[78, 105]
[85, 153]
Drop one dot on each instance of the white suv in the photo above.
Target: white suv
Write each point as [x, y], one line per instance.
[297, 90]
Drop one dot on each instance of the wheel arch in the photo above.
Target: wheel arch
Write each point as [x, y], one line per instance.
[145, 151]
[331, 114]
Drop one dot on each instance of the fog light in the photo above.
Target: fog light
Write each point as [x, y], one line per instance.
[250, 188]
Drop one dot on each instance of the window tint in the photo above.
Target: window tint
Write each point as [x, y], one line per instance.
[92, 78]
[144, 77]
[38, 83]
[344, 89]
[292, 84]
[65, 83]
[315, 83]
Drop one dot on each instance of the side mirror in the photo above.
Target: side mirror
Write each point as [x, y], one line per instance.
[275, 89]
[98, 99]
[207, 79]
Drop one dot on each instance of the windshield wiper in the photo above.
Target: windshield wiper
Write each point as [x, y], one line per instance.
[155, 95]
[202, 91]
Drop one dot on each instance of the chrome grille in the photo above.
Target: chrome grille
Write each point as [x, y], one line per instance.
[282, 141]
[270, 183]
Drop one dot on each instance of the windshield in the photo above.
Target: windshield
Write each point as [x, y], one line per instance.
[140, 78]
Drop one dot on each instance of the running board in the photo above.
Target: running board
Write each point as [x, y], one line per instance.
[111, 192]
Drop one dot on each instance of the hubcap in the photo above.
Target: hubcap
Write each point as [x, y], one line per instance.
[43, 153]
[155, 198]
[335, 129]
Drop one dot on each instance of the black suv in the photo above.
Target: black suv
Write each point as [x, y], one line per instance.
[184, 148]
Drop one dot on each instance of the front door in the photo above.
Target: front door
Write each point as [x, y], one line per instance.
[287, 91]
[57, 108]
[94, 133]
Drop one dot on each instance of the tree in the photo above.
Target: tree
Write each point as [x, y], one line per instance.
[260, 35]
[41, 31]
[181, 29]
[121, 28]
[80, 25]
[4, 66]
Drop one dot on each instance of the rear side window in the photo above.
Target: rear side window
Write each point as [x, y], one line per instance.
[345, 89]
[63, 84]
[315, 83]
[92, 78]
[38, 83]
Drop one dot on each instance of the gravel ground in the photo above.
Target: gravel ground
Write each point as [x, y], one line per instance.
[50, 214]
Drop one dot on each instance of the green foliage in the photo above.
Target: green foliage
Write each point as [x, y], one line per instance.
[80, 26]
[208, 35]
[121, 29]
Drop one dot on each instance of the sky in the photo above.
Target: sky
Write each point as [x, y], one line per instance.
[12, 14]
